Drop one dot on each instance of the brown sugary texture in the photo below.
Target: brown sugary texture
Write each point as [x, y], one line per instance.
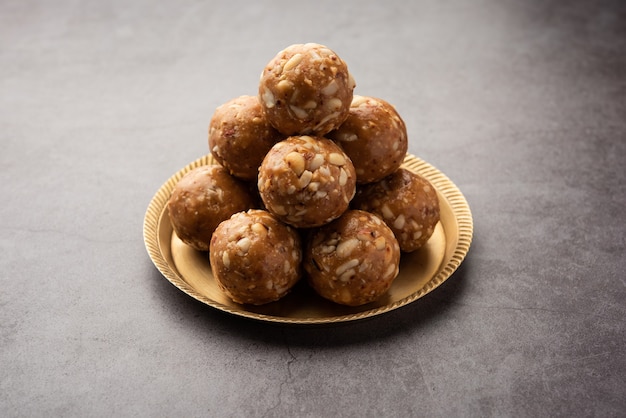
[203, 198]
[240, 136]
[306, 89]
[306, 181]
[255, 258]
[374, 137]
[353, 260]
[408, 204]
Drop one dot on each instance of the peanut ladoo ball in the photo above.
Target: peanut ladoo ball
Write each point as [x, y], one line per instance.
[202, 198]
[408, 204]
[255, 258]
[306, 89]
[306, 181]
[374, 137]
[353, 260]
[240, 136]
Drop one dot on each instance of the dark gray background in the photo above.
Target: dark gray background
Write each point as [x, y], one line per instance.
[521, 103]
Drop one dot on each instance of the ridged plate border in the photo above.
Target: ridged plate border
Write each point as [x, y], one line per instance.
[445, 187]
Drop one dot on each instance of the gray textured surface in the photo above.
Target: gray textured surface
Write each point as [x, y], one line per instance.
[521, 104]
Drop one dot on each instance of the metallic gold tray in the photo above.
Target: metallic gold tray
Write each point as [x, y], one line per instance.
[420, 272]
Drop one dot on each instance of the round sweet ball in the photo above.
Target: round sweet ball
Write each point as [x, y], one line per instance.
[202, 198]
[306, 89]
[306, 181]
[240, 136]
[255, 258]
[408, 204]
[353, 260]
[374, 137]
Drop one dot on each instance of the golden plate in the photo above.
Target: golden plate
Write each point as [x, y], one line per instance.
[420, 272]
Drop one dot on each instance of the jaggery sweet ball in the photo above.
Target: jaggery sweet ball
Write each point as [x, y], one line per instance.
[255, 258]
[306, 181]
[408, 204]
[240, 136]
[352, 260]
[374, 137]
[306, 89]
[202, 198]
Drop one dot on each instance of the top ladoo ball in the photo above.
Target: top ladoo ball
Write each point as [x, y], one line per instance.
[306, 89]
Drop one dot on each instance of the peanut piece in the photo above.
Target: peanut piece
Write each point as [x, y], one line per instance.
[387, 213]
[305, 179]
[244, 244]
[316, 162]
[296, 162]
[336, 159]
[331, 88]
[380, 243]
[293, 62]
[345, 248]
[226, 259]
[343, 177]
[259, 229]
[399, 222]
[300, 113]
[346, 266]
[284, 85]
